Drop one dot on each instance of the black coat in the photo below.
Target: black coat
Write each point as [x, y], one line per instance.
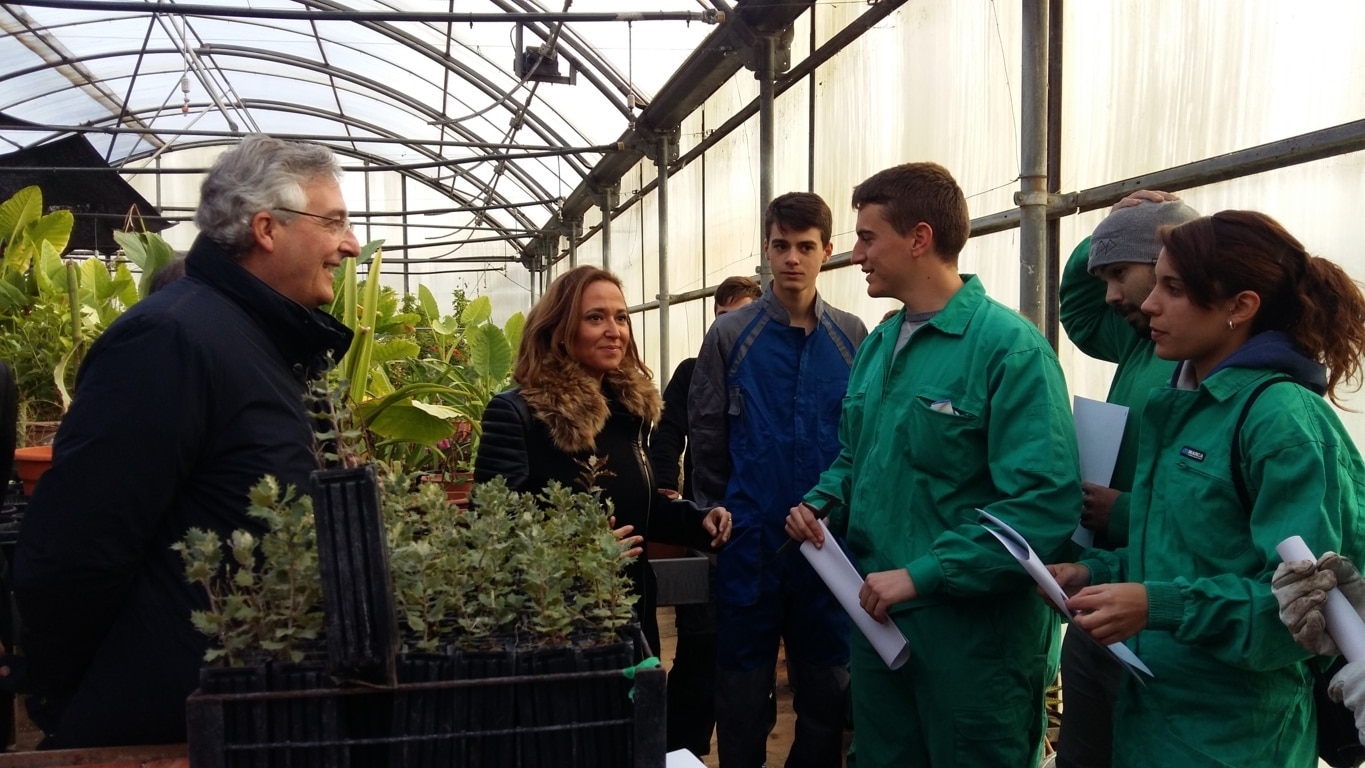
[670, 437]
[182, 405]
[521, 447]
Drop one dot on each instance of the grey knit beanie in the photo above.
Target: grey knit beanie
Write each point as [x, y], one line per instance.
[1129, 234]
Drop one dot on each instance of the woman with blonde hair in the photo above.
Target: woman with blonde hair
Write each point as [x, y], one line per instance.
[1240, 452]
[581, 413]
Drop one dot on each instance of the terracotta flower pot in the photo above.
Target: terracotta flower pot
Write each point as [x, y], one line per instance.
[31, 463]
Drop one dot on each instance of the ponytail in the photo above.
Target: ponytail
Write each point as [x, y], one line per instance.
[1331, 324]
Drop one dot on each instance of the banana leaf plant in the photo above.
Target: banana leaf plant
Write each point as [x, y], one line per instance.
[148, 251]
[40, 334]
[423, 411]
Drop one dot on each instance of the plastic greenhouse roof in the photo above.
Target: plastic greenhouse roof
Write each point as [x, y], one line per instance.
[424, 88]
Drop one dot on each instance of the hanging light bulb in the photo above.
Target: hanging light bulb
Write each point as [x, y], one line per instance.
[185, 89]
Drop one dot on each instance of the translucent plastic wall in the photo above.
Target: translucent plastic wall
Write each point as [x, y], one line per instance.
[1146, 86]
[389, 207]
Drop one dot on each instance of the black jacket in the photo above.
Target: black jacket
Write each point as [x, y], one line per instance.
[534, 435]
[670, 437]
[182, 405]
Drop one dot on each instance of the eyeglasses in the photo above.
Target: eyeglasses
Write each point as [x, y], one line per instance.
[334, 225]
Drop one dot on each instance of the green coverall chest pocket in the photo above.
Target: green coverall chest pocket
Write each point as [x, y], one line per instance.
[1201, 498]
[948, 434]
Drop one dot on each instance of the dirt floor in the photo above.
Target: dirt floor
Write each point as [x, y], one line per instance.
[780, 740]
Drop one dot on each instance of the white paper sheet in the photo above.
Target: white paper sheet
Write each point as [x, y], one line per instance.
[1099, 432]
[1017, 546]
[1343, 623]
[682, 759]
[844, 581]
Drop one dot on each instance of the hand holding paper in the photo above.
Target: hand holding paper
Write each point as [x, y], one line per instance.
[1099, 432]
[1343, 623]
[1110, 613]
[1017, 546]
[845, 583]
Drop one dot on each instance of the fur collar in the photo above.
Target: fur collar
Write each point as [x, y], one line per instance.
[574, 408]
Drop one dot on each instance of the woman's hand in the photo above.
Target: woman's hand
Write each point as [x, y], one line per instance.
[718, 523]
[630, 545]
[1110, 613]
[1071, 577]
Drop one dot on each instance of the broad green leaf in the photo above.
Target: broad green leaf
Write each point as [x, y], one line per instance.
[125, 285]
[408, 423]
[149, 252]
[19, 252]
[515, 324]
[49, 274]
[394, 349]
[11, 298]
[477, 311]
[371, 409]
[396, 323]
[367, 250]
[54, 228]
[437, 410]
[95, 280]
[489, 352]
[133, 247]
[446, 326]
[15, 213]
[428, 304]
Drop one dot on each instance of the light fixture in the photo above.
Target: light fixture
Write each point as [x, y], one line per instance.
[539, 63]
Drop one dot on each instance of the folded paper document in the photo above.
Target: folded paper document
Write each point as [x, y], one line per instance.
[1017, 546]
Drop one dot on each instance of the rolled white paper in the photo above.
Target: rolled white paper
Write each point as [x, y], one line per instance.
[843, 580]
[1343, 623]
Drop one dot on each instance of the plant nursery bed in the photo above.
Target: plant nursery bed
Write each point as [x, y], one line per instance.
[513, 711]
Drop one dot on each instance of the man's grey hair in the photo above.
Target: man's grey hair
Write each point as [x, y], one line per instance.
[260, 174]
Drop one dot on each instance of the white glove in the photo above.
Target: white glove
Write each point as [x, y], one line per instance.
[1301, 589]
[1348, 687]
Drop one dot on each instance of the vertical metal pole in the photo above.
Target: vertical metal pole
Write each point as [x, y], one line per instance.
[575, 232]
[767, 46]
[661, 161]
[1051, 317]
[608, 205]
[704, 203]
[1032, 196]
[810, 110]
[403, 195]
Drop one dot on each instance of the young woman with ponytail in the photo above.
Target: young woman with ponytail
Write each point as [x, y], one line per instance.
[1229, 465]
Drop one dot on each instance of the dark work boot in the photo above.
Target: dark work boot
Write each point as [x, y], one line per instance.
[742, 717]
[818, 698]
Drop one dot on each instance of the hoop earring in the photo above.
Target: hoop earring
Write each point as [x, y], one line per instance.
[1232, 326]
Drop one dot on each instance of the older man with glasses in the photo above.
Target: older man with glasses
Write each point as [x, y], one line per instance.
[180, 407]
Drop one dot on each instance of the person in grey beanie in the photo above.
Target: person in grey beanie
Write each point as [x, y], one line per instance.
[1103, 286]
